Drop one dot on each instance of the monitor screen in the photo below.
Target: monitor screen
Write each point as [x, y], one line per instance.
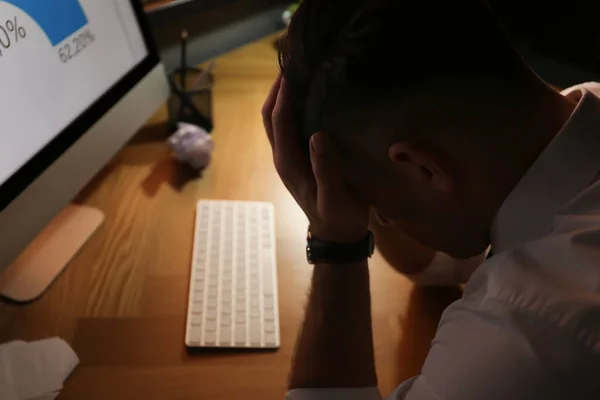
[58, 59]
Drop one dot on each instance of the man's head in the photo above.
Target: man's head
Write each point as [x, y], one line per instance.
[422, 99]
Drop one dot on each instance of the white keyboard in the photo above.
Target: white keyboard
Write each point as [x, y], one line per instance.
[233, 299]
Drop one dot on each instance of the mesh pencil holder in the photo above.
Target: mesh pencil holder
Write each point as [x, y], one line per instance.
[191, 105]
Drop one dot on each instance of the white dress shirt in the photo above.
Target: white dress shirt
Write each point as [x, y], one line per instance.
[528, 324]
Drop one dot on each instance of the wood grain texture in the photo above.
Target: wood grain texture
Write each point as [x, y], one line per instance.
[121, 303]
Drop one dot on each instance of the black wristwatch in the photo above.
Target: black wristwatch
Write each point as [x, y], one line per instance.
[323, 252]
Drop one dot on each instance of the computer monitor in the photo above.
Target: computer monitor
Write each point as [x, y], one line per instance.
[78, 78]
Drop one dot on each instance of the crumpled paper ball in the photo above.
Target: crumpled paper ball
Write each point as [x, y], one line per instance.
[192, 145]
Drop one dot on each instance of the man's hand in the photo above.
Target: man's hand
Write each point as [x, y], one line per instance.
[313, 177]
[335, 346]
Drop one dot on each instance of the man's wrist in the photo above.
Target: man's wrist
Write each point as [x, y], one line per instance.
[319, 251]
[328, 234]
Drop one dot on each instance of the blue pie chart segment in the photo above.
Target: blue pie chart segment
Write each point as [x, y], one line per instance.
[59, 19]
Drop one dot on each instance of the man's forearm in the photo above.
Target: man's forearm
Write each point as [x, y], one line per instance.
[335, 346]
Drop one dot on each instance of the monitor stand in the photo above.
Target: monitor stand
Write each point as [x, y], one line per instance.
[41, 262]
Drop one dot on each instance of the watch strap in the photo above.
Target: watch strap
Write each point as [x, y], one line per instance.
[319, 251]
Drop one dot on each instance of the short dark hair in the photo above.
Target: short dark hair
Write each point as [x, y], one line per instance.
[346, 57]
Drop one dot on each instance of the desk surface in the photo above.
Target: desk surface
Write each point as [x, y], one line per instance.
[122, 302]
[156, 4]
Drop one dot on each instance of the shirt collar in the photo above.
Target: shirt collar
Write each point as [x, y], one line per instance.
[568, 165]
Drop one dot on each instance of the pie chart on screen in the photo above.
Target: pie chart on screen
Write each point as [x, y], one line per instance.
[59, 19]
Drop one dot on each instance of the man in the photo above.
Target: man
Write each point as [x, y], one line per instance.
[453, 140]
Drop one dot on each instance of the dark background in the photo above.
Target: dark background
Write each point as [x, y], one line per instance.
[560, 39]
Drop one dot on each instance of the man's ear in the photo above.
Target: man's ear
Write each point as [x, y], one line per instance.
[424, 164]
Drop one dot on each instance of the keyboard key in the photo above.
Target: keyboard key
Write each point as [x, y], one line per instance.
[210, 338]
[240, 318]
[225, 336]
[210, 326]
[240, 334]
[269, 316]
[270, 340]
[268, 302]
[194, 334]
[226, 311]
[255, 335]
[199, 296]
[269, 326]
[267, 284]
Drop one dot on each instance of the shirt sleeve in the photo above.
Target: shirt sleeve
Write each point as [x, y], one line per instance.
[475, 355]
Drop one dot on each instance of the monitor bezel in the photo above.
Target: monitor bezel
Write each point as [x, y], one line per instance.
[30, 171]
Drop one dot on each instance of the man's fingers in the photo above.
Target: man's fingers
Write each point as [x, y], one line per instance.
[326, 169]
[291, 161]
[268, 106]
[285, 134]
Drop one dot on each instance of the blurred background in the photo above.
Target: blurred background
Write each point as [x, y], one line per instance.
[560, 39]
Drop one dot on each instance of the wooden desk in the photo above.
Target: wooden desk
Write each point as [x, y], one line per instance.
[122, 302]
[153, 5]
